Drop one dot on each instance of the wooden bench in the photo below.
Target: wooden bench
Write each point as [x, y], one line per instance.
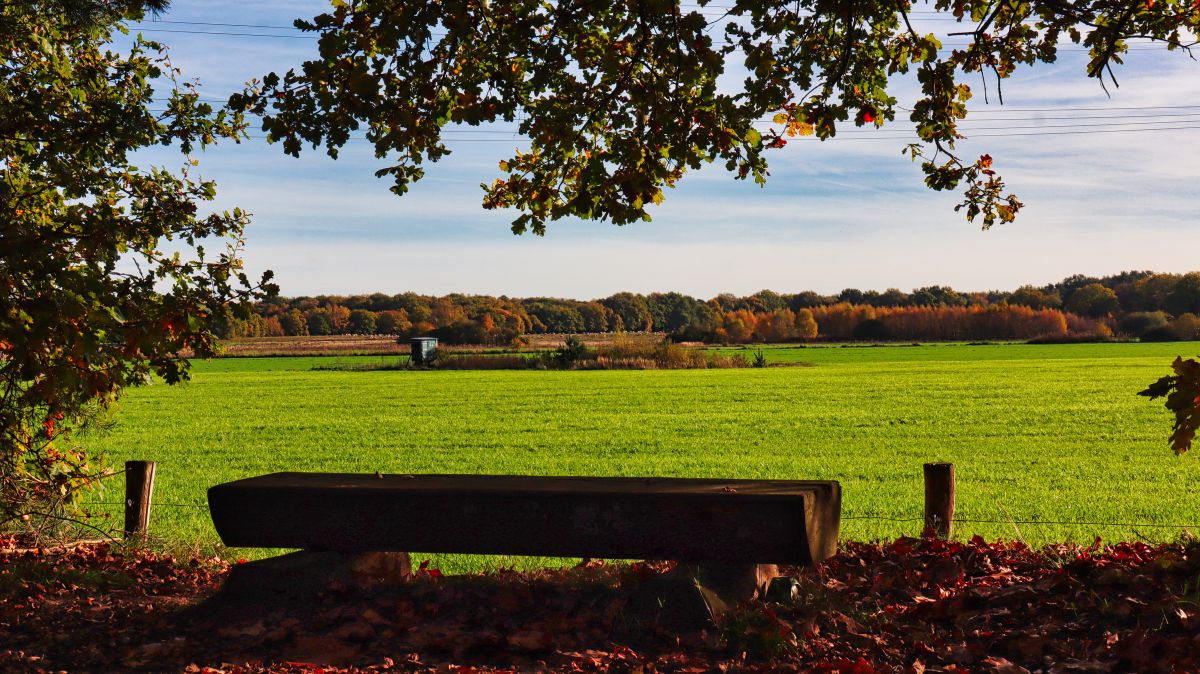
[727, 527]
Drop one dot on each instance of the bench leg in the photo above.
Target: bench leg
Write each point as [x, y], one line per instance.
[694, 596]
[724, 586]
[309, 572]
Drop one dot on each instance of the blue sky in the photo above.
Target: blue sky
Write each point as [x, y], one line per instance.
[851, 212]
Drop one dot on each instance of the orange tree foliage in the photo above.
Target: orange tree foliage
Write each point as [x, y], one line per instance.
[489, 320]
[1142, 296]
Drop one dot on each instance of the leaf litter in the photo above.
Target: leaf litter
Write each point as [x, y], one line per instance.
[910, 606]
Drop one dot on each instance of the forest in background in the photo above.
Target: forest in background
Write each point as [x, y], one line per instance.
[1134, 304]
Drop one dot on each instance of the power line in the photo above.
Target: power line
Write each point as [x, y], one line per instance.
[1000, 109]
[226, 33]
[945, 47]
[514, 134]
[724, 9]
[1014, 521]
[447, 134]
[843, 136]
[226, 25]
[968, 128]
[279, 27]
[1033, 133]
[1107, 108]
[1054, 133]
[877, 517]
[1074, 117]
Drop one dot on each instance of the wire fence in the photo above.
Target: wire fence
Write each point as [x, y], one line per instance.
[869, 516]
[973, 520]
[156, 504]
[966, 518]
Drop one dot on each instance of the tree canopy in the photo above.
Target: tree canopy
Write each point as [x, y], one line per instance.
[104, 274]
[621, 98]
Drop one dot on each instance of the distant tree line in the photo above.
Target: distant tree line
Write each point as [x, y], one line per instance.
[1137, 304]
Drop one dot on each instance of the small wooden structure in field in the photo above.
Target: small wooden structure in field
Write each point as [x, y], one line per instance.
[424, 350]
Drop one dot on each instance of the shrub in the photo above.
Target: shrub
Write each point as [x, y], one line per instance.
[1139, 323]
[1071, 338]
[1187, 326]
[625, 354]
[873, 330]
[463, 331]
[472, 361]
[1160, 334]
[572, 351]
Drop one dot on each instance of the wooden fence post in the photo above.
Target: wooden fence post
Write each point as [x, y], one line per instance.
[139, 486]
[939, 498]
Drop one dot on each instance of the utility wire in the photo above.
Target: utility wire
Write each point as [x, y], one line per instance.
[1154, 119]
[862, 135]
[1107, 108]
[945, 47]
[225, 25]
[228, 33]
[968, 128]
[1013, 521]
[883, 518]
[1001, 109]
[154, 504]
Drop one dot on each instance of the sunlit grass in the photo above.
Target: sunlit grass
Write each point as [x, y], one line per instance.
[1050, 433]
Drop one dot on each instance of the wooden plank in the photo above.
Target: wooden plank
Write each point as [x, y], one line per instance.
[755, 521]
[939, 498]
[139, 488]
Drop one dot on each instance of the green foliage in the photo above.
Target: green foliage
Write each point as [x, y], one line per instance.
[1035, 298]
[362, 322]
[760, 358]
[871, 330]
[319, 323]
[756, 630]
[935, 296]
[1093, 300]
[762, 316]
[1139, 323]
[572, 351]
[462, 331]
[104, 274]
[1182, 393]
[1184, 296]
[621, 100]
[632, 310]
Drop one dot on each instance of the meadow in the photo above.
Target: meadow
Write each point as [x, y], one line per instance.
[1050, 441]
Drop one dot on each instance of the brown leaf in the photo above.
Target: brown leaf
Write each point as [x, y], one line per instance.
[1003, 666]
[531, 640]
[1081, 667]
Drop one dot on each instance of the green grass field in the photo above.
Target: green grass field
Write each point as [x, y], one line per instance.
[1048, 433]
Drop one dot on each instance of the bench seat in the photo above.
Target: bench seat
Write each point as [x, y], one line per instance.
[684, 519]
